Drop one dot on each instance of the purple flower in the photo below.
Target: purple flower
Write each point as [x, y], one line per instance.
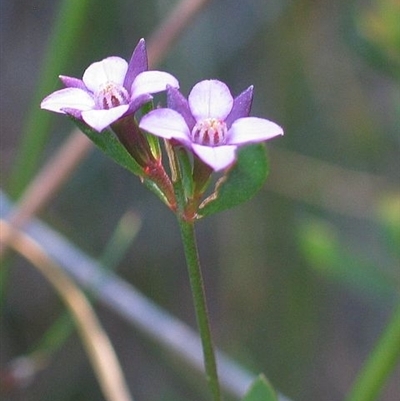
[210, 122]
[109, 89]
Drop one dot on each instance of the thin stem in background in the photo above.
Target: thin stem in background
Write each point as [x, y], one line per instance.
[380, 363]
[165, 36]
[124, 234]
[326, 185]
[198, 293]
[46, 184]
[98, 347]
[44, 187]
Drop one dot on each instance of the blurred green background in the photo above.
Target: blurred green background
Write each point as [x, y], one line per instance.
[301, 280]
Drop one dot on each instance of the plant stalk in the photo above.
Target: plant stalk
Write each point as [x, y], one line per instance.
[199, 299]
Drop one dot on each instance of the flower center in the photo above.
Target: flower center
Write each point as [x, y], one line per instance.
[111, 95]
[209, 132]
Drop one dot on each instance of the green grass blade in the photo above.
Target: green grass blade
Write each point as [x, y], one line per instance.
[65, 35]
[380, 363]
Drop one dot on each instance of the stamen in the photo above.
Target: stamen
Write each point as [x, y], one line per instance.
[111, 95]
[210, 132]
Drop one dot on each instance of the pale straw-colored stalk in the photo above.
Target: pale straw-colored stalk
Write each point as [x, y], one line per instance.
[95, 341]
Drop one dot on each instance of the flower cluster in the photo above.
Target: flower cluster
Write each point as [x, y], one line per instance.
[210, 122]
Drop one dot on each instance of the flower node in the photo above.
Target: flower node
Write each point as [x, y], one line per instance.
[210, 132]
[111, 95]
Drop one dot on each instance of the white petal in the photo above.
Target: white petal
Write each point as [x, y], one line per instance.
[166, 123]
[72, 98]
[100, 119]
[217, 157]
[152, 82]
[210, 99]
[251, 130]
[110, 69]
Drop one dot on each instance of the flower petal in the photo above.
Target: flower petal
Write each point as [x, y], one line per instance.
[137, 64]
[241, 106]
[138, 102]
[73, 112]
[152, 82]
[71, 82]
[166, 123]
[217, 157]
[176, 101]
[251, 130]
[110, 69]
[72, 98]
[100, 119]
[210, 99]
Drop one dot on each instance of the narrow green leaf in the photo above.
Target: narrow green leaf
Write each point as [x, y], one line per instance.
[389, 217]
[374, 33]
[242, 182]
[261, 390]
[63, 42]
[380, 364]
[154, 144]
[321, 246]
[186, 171]
[111, 146]
[153, 140]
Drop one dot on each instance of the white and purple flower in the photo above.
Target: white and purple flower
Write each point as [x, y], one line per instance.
[210, 122]
[109, 89]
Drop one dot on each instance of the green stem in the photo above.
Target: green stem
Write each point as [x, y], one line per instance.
[198, 293]
[380, 363]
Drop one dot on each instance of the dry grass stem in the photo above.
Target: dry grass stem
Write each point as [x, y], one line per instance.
[327, 185]
[96, 343]
[165, 36]
[51, 178]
